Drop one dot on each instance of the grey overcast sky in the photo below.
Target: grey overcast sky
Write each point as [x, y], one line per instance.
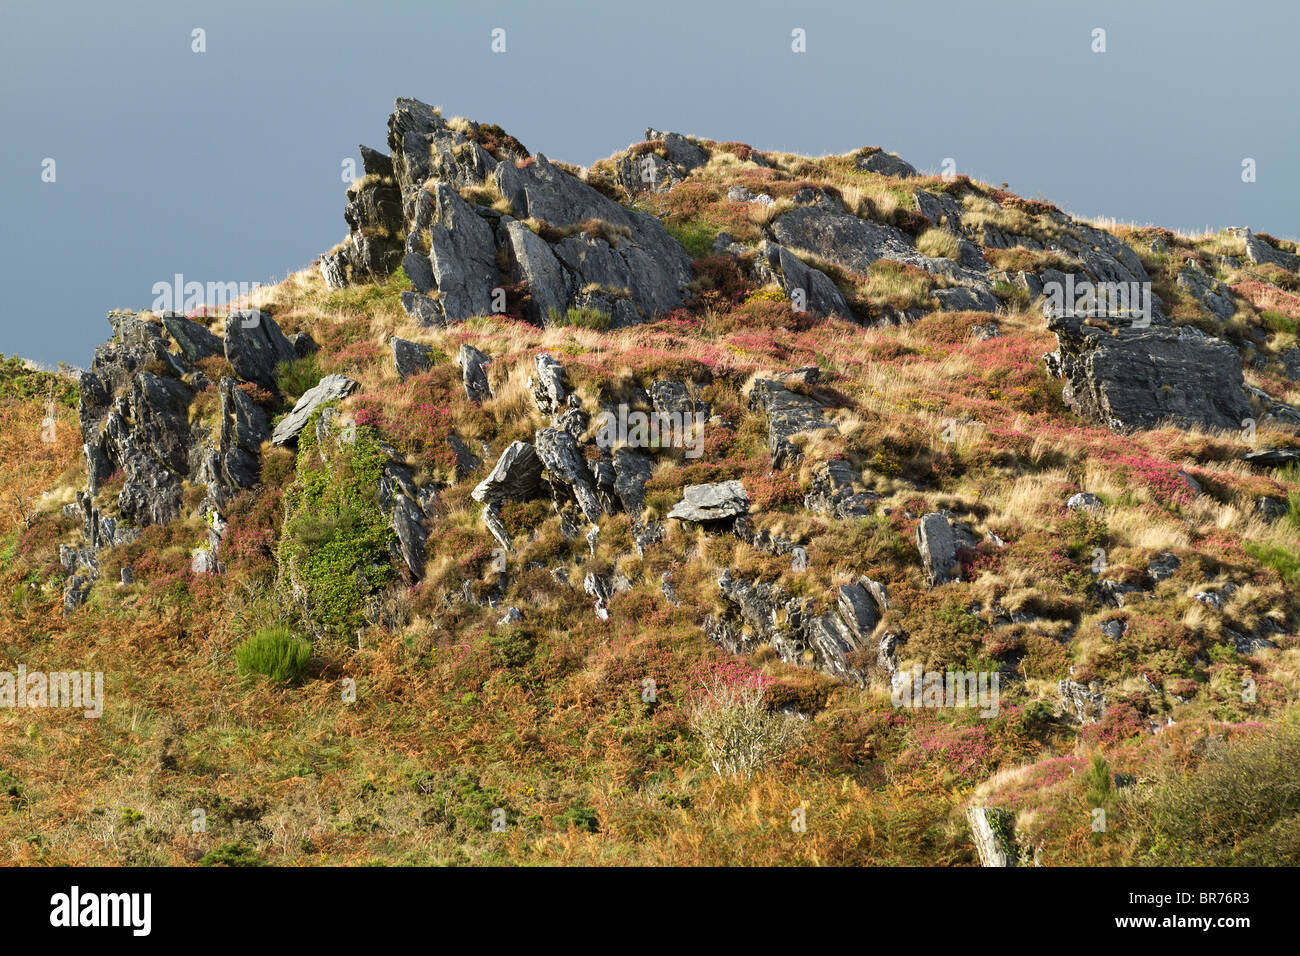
[224, 166]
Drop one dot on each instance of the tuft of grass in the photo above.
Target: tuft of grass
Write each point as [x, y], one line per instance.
[275, 653]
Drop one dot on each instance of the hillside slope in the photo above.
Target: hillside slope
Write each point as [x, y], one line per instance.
[619, 515]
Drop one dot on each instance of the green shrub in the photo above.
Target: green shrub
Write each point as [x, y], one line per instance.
[231, 854]
[582, 818]
[276, 653]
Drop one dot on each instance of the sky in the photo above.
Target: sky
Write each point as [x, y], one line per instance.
[225, 165]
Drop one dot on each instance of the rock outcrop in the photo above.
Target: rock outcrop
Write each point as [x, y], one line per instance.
[1146, 378]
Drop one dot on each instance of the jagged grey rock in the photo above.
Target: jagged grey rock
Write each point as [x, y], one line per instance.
[1260, 252]
[1207, 290]
[463, 253]
[847, 628]
[426, 312]
[886, 164]
[517, 476]
[548, 385]
[631, 472]
[1084, 704]
[473, 372]
[1085, 501]
[194, 341]
[533, 262]
[833, 491]
[329, 389]
[255, 345]
[938, 547]
[566, 470]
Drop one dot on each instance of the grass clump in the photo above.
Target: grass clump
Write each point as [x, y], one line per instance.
[275, 653]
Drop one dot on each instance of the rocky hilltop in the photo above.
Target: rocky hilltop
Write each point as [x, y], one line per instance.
[700, 420]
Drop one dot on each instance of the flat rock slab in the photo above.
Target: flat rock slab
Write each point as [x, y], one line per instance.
[328, 389]
[718, 501]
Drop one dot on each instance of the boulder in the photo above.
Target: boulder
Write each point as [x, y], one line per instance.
[1085, 501]
[411, 358]
[938, 547]
[329, 389]
[886, 164]
[426, 312]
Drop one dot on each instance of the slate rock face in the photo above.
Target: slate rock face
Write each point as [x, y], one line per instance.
[940, 208]
[255, 345]
[328, 389]
[804, 285]
[593, 252]
[788, 414]
[631, 472]
[1207, 290]
[194, 341]
[848, 627]
[1146, 378]
[645, 261]
[244, 426]
[834, 491]
[464, 257]
[1259, 252]
[566, 471]
[548, 385]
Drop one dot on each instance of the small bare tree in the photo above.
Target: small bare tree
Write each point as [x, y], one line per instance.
[740, 735]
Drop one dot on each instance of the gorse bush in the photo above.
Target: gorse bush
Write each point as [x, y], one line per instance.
[1241, 807]
[335, 547]
[739, 735]
[276, 653]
